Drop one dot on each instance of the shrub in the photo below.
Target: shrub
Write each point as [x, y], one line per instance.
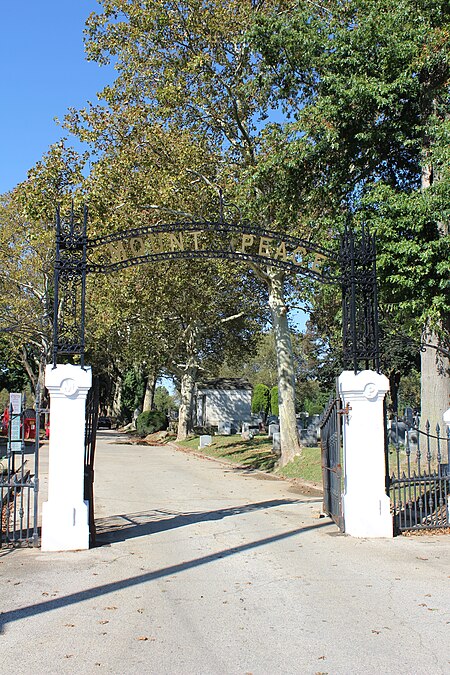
[274, 407]
[261, 399]
[151, 421]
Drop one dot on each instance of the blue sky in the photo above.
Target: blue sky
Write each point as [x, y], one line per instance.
[43, 72]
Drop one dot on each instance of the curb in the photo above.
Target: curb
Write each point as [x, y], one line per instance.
[308, 487]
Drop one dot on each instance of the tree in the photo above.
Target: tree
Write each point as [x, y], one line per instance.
[261, 399]
[367, 83]
[163, 401]
[274, 404]
[192, 67]
[13, 376]
[27, 249]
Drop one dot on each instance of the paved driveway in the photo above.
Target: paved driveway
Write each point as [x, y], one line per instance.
[208, 570]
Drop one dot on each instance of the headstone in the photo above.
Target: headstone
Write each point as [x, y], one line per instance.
[204, 441]
[276, 442]
[273, 429]
[245, 435]
[224, 428]
[409, 416]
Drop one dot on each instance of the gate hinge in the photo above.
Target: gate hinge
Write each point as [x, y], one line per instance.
[345, 411]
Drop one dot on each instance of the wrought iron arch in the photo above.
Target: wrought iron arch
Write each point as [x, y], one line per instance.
[353, 268]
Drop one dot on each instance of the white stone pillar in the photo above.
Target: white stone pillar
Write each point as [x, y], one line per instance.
[65, 515]
[366, 504]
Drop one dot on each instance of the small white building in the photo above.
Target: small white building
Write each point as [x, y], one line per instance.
[223, 400]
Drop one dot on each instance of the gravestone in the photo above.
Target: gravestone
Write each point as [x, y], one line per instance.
[224, 428]
[276, 442]
[273, 429]
[204, 441]
[409, 416]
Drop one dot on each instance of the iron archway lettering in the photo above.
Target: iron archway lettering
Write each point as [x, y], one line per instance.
[353, 268]
[206, 240]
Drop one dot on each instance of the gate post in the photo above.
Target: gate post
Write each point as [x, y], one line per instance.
[365, 503]
[65, 515]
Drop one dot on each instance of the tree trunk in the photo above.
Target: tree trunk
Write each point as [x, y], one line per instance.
[394, 384]
[434, 366]
[117, 398]
[290, 445]
[28, 368]
[434, 385]
[149, 392]
[185, 412]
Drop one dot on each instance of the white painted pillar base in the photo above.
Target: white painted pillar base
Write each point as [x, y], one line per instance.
[366, 504]
[65, 524]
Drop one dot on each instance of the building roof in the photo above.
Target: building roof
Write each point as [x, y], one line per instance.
[225, 383]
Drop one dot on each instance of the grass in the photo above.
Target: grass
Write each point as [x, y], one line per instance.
[308, 466]
[257, 454]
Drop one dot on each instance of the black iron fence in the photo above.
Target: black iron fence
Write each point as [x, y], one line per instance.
[19, 474]
[331, 446]
[418, 480]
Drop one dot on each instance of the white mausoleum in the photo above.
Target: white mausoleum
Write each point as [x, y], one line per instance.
[222, 400]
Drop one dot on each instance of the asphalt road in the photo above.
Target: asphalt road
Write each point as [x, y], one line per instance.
[205, 569]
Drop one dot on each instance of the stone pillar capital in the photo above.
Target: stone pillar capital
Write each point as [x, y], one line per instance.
[68, 381]
[366, 385]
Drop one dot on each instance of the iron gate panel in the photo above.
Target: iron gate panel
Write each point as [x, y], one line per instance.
[418, 480]
[331, 447]
[19, 480]
[89, 454]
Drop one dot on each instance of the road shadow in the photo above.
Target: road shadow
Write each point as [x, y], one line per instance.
[130, 582]
[125, 526]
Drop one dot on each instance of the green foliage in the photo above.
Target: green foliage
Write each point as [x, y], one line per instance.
[366, 85]
[4, 399]
[151, 421]
[261, 399]
[163, 401]
[409, 392]
[274, 406]
[317, 405]
[12, 373]
[133, 387]
[27, 250]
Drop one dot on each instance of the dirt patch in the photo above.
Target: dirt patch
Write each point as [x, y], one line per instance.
[423, 533]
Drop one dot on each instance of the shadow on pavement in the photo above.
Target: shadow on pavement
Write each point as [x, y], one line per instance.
[98, 591]
[129, 526]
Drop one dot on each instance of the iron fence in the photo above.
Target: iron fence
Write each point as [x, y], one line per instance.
[418, 481]
[19, 477]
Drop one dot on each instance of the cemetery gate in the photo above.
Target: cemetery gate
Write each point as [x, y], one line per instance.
[332, 460]
[350, 266]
